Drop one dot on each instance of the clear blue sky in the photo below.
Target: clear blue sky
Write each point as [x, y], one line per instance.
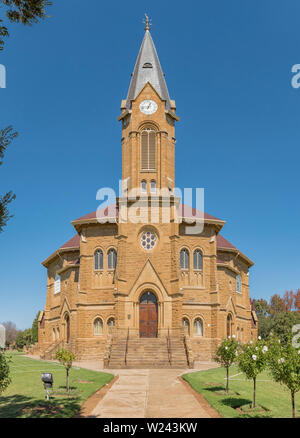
[227, 65]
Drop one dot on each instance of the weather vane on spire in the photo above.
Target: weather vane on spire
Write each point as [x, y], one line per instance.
[147, 22]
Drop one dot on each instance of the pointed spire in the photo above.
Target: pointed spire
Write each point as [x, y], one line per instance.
[147, 69]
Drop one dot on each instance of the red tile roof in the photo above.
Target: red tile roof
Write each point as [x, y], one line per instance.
[223, 243]
[112, 211]
[187, 211]
[74, 242]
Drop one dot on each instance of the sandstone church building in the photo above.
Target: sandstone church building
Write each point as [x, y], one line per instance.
[151, 293]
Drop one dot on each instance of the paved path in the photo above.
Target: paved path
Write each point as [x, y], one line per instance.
[156, 393]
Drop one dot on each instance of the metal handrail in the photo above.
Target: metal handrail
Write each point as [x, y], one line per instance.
[126, 349]
[169, 347]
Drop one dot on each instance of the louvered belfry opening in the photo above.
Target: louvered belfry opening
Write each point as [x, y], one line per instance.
[148, 149]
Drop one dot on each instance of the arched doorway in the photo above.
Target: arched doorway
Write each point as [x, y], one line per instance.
[148, 315]
[67, 327]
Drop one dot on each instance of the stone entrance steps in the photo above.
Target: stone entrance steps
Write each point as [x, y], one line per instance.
[148, 353]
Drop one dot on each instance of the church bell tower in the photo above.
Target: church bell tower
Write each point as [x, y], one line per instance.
[148, 125]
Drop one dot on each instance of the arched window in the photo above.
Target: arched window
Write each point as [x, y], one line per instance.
[112, 259]
[111, 322]
[144, 186]
[58, 333]
[198, 260]
[186, 325]
[198, 327]
[98, 260]
[239, 283]
[57, 284]
[53, 334]
[98, 326]
[153, 186]
[184, 259]
[148, 150]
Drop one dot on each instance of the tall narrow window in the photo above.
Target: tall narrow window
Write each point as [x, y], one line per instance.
[229, 325]
[198, 260]
[112, 259]
[148, 150]
[98, 259]
[198, 327]
[239, 283]
[153, 186]
[57, 284]
[184, 259]
[144, 186]
[98, 327]
[186, 325]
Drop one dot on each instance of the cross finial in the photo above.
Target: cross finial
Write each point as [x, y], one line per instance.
[147, 22]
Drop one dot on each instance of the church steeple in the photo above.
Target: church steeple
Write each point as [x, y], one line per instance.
[148, 69]
[148, 125]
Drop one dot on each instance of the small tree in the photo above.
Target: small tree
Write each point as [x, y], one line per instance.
[66, 359]
[4, 373]
[252, 361]
[226, 354]
[284, 365]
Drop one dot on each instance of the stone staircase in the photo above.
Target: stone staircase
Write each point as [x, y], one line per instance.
[161, 352]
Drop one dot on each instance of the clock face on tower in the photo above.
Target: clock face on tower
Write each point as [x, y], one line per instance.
[148, 107]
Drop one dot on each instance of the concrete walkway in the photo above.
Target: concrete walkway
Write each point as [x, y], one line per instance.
[156, 393]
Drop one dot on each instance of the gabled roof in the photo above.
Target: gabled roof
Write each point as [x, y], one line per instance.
[74, 242]
[112, 211]
[70, 245]
[189, 212]
[223, 243]
[107, 212]
[147, 69]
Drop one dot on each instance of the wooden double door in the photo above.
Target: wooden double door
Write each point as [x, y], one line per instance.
[148, 315]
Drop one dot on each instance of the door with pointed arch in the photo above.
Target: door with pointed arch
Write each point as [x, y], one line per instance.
[148, 315]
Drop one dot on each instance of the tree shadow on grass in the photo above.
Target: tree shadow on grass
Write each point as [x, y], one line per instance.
[214, 388]
[234, 403]
[15, 406]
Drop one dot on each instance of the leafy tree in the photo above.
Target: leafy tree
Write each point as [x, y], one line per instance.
[226, 355]
[11, 332]
[34, 328]
[66, 359]
[288, 299]
[4, 373]
[24, 338]
[7, 135]
[252, 361]
[261, 307]
[297, 300]
[282, 324]
[264, 326]
[277, 304]
[284, 365]
[26, 12]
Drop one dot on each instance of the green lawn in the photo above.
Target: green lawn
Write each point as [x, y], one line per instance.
[25, 396]
[272, 397]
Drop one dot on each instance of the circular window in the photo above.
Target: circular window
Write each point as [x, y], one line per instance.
[148, 240]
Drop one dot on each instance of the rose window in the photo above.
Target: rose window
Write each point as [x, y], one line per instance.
[148, 240]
